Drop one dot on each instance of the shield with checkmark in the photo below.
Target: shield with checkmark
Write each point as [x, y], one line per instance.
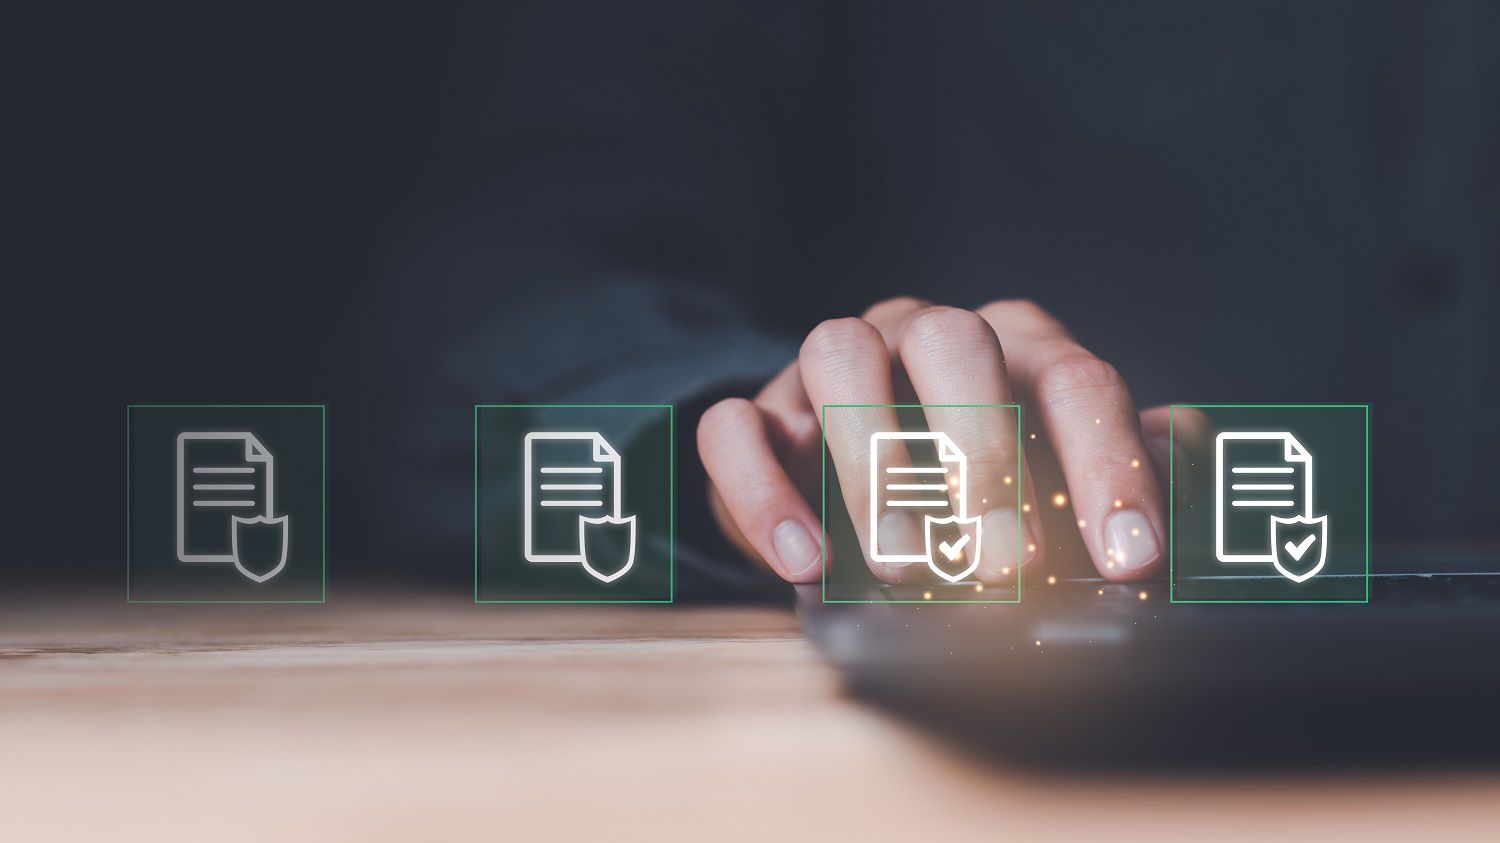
[953, 546]
[1301, 545]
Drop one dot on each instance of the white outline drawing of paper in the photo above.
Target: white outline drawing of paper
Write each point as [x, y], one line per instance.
[589, 486]
[1272, 490]
[222, 488]
[923, 489]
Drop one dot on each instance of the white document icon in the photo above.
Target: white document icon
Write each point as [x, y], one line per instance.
[220, 477]
[924, 489]
[1258, 477]
[571, 479]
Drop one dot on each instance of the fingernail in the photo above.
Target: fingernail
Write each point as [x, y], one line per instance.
[1130, 541]
[795, 546]
[1004, 550]
[900, 533]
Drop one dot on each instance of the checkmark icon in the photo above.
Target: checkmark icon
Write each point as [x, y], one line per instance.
[1296, 550]
[953, 549]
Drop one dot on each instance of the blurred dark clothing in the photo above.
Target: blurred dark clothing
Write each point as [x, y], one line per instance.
[561, 201]
[1249, 202]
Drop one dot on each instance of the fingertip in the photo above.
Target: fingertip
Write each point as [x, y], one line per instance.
[799, 553]
[723, 419]
[754, 488]
[1133, 549]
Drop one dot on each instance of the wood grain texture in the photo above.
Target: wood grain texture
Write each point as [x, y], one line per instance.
[376, 718]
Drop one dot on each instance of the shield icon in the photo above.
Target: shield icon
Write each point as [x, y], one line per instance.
[260, 533]
[1301, 545]
[953, 546]
[607, 546]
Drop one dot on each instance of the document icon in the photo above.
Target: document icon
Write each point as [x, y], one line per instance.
[219, 475]
[928, 487]
[573, 491]
[1262, 481]
[226, 492]
[1284, 512]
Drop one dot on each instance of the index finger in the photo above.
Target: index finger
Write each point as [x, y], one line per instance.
[1090, 418]
[846, 361]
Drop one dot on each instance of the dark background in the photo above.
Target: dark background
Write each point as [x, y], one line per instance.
[373, 206]
[198, 191]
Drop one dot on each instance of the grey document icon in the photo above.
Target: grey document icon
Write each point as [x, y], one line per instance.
[221, 478]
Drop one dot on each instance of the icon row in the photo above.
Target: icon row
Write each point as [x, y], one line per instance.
[576, 503]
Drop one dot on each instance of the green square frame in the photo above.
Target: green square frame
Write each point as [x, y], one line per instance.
[823, 543]
[671, 499]
[1172, 499]
[322, 449]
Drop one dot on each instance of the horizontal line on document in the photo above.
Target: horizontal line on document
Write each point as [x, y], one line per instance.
[916, 487]
[223, 487]
[1262, 469]
[1253, 487]
[572, 469]
[223, 469]
[1263, 503]
[916, 469]
[916, 503]
[224, 503]
[585, 487]
[572, 503]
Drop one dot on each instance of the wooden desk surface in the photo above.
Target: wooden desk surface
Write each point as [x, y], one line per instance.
[432, 718]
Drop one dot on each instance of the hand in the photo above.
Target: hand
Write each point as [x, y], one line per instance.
[763, 457]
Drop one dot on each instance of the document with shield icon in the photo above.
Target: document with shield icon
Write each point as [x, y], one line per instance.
[1263, 504]
[572, 498]
[226, 503]
[929, 485]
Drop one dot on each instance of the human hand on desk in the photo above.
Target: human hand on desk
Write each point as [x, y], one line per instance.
[764, 462]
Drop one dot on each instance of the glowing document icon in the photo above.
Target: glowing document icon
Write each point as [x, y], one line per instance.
[929, 488]
[1262, 493]
[572, 492]
[226, 491]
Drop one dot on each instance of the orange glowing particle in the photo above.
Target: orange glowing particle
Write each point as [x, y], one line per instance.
[1009, 479]
[1059, 500]
[1025, 507]
[1142, 595]
[1031, 548]
[1039, 642]
[1135, 531]
[926, 595]
[1119, 503]
[1005, 570]
[1082, 523]
[1052, 581]
[1135, 463]
[979, 586]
